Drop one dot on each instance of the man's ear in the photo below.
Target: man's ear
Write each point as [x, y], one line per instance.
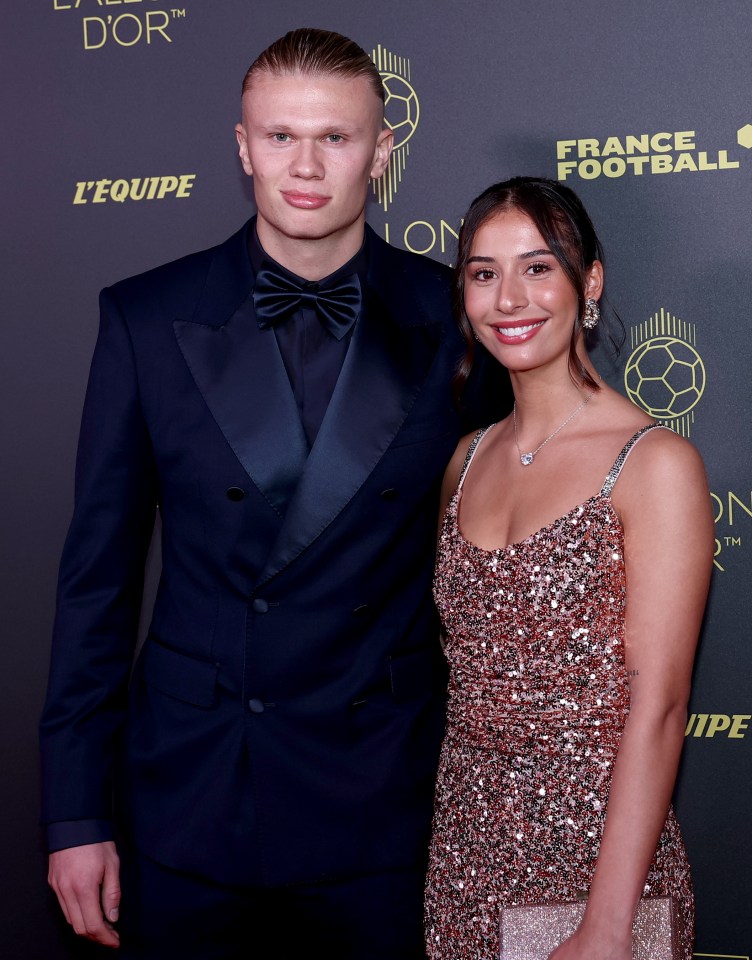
[382, 152]
[241, 137]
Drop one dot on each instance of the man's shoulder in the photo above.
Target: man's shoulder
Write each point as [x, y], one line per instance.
[421, 286]
[422, 268]
[187, 275]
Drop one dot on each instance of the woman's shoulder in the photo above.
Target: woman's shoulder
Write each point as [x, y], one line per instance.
[662, 468]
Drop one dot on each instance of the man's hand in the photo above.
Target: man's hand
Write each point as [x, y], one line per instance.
[86, 880]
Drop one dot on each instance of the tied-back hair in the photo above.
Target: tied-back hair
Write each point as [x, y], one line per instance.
[566, 228]
[311, 51]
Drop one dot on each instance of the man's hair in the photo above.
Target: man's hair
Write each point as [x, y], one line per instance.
[311, 51]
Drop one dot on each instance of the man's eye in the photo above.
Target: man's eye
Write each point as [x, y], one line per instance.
[280, 138]
[335, 138]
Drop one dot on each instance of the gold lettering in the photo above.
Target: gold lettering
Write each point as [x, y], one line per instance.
[116, 27]
[612, 145]
[732, 499]
[587, 148]
[661, 142]
[702, 719]
[614, 167]
[589, 169]
[740, 721]
[89, 21]
[564, 168]
[685, 140]
[685, 161]
[639, 144]
[660, 164]
[444, 229]
[81, 186]
[151, 28]
[185, 185]
[638, 164]
[564, 147]
[169, 185]
[100, 193]
[420, 223]
[704, 163]
[718, 721]
[724, 163]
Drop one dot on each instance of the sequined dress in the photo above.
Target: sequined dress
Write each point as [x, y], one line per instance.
[538, 699]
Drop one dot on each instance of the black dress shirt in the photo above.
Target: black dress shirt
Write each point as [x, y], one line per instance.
[313, 358]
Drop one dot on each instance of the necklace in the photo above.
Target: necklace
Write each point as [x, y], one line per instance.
[527, 458]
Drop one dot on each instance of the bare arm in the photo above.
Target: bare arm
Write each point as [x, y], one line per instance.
[665, 507]
[86, 880]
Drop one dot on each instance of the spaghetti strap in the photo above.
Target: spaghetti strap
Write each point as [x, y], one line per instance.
[613, 474]
[471, 450]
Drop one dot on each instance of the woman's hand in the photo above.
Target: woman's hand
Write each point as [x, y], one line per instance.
[581, 946]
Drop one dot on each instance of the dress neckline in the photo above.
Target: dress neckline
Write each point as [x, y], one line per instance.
[515, 544]
[603, 494]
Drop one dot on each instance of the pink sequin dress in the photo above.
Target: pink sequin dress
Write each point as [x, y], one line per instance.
[538, 699]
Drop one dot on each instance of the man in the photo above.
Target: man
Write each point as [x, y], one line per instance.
[284, 401]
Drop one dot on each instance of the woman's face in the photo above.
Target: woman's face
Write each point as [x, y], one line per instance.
[520, 303]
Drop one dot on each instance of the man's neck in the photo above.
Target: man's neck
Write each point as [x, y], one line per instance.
[314, 258]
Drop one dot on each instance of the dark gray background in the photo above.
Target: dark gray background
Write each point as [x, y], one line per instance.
[498, 85]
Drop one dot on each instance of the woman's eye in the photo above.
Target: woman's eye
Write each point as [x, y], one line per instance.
[538, 268]
[483, 274]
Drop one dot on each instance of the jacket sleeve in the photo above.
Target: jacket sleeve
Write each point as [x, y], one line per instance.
[100, 584]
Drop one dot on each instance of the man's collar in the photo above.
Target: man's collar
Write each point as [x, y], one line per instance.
[357, 265]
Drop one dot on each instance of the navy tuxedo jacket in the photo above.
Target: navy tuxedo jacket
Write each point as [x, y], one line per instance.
[283, 720]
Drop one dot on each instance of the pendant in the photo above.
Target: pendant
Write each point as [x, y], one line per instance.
[526, 459]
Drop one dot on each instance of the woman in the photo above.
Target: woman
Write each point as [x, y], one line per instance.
[571, 608]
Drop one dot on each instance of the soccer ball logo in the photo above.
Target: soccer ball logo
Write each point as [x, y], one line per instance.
[665, 376]
[401, 108]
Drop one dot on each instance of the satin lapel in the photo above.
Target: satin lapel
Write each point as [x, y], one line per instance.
[383, 373]
[240, 373]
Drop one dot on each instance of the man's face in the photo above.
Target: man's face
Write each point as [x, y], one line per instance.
[311, 142]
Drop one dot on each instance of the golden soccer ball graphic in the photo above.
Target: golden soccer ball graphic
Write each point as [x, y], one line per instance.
[401, 107]
[665, 376]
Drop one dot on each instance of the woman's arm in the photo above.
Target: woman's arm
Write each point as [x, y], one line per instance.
[664, 503]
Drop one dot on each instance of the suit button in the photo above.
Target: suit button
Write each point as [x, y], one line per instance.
[256, 706]
[260, 605]
[235, 493]
[391, 493]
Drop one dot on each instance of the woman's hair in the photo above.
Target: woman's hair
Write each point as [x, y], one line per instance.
[565, 226]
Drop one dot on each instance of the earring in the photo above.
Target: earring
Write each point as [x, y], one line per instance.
[592, 314]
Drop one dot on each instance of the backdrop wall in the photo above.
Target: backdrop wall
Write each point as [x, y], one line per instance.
[118, 153]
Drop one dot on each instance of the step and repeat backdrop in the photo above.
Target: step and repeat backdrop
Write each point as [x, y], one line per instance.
[118, 153]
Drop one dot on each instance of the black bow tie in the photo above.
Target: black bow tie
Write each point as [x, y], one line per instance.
[276, 295]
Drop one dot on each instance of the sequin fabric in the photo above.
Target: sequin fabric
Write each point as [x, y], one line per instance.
[538, 699]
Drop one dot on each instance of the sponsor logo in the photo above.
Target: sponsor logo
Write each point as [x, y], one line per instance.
[138, 188]
[643, 154]
[401, 115]
[729, 510]
[124, 28]
[733, 726]
[665, 374]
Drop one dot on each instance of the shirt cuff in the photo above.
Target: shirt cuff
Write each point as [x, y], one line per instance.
[76, 833]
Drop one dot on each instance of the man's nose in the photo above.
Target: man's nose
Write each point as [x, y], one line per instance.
[307, 162]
